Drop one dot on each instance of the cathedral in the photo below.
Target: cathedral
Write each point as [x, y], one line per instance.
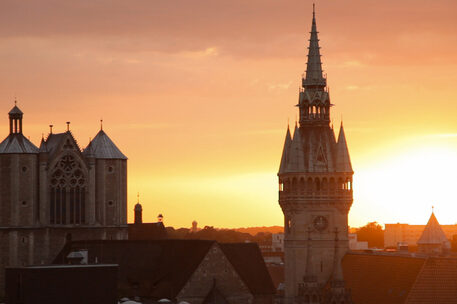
[315, 194]
[56, 193]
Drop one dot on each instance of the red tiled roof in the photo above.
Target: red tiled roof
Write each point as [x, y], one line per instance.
[436, 283]
[380, 279]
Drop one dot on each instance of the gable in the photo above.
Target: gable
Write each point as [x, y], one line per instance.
[215, 271]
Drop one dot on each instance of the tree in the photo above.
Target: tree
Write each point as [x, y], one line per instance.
[371, 233]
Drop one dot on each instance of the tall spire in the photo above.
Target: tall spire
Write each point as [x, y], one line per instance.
[314, 75]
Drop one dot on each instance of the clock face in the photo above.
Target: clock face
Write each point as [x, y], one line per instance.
[320, 223]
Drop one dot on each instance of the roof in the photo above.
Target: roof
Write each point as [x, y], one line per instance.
[436, 283]
[248, 262]
[17, 143]
[380, 279]
[102, 147]
[343, 161]
[433, 233]
[147, 231]
[160, 268]
[15, 111]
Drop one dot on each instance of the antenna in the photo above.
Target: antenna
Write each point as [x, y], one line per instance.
[101, 124]
[50, 129]
[68, 126]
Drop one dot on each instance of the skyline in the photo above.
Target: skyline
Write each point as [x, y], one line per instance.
[222, 169]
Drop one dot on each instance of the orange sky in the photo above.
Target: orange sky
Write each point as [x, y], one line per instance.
[198, 94]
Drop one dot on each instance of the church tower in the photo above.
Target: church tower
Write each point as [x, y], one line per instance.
[315, 193]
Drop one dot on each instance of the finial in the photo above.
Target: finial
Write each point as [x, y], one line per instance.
[433, 209]
[314, 10]
[138, 198]
[101, 124]
[15, 101]
[50, 129]
[42, 136]
[68, 126]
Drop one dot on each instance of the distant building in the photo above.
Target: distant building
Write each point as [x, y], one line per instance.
[194, 227]
[57, 192]
[57, 284]
[277, 242]
[195, 271]
[145, 231]
[356, 245]
[409, 234]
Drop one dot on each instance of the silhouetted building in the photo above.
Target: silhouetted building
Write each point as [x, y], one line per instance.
[57, 192]
[195, 271]
[57, 284]
[315, 193]
[145, 231]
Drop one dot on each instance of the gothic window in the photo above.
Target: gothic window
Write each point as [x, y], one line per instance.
[67, 192]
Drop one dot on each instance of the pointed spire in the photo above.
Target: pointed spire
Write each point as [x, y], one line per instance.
[343, 161]
[433, 233]
[296, 162]
[285, 151]
[43, 147]
[314, 75]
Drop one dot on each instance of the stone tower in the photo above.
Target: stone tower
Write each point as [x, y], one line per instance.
[315, 193]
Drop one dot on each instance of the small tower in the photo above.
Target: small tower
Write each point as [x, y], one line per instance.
[138, 212]
[433, 241]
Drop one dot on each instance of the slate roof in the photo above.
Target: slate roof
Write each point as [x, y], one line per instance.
[436, 283]
[248, 262]
[102, 147]
[17, 143]
[161, 268]
[433, 233]
[380, 279]
[15, 110]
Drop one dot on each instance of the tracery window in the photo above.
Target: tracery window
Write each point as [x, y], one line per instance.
[67, 192]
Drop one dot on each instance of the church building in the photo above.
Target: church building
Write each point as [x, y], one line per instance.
[57, 192]
[315, 194]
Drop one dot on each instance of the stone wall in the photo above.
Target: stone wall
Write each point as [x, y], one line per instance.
[215, 269]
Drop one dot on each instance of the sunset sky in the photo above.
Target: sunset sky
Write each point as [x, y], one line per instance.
[198, 95]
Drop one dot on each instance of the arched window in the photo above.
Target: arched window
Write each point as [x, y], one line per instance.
[302, 185]
[332, 184]
[294, 185]
[309, 185]
[340, 184]
[317, 184]
[67, 192]
[324, 184]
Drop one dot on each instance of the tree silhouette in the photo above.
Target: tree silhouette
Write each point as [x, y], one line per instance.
[371, 233]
